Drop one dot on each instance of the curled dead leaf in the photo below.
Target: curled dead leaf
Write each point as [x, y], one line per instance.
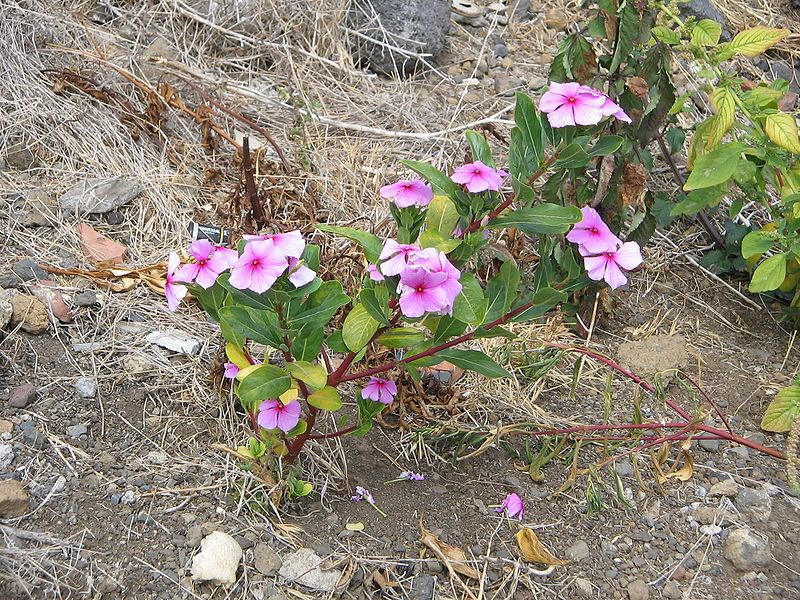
[681, 473]
[454, 558]
[533, 550]
[638, 86]
[634, 178]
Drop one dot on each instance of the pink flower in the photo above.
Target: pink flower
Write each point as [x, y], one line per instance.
[411, 476]
[591, 233]
[273, 414]
[477, 177]
[421, 291]
[606, 265]
[299, 274]
[513, 507]
[172, 290]
[408, 193]
[434, 261]
[258, 267]
[380, 390]
[575, 104]
[291, 244]
[396, 255]
[374, 273]
[231, 370]
[210, 261]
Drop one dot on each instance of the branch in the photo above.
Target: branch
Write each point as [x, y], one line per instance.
[250, 185]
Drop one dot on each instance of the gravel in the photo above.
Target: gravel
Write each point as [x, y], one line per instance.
[747, 550]
[22, 395]
[85, 387]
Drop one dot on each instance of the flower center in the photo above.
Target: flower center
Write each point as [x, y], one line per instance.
[420, 289]
[572, 99]
[202, 262]
[255, 262]
[594, 230]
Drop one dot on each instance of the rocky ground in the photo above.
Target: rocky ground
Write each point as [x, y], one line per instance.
[116, 475]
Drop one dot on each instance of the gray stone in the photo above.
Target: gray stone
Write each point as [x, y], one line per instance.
[671, 591]
[500, 50]
[9, 281]
[22, 395]
[623, 467]
[76, 431]
[6, 310]
[710, 445]
[423, 587]
[703, 9]
[506, 84]
[726, 488]
[746, 550]
[303, 567]
[38, 209]
[662, 354]
[6, 456]
[33, 437]
[85, 299]
[194, 535]
[753, 503]
[578, 551]
[20, 156]
[28, 270]
[266, 559]
[99, 195]
[584, 587]
[85, 387]
[638, 590]
[175, 341]
[411, 27]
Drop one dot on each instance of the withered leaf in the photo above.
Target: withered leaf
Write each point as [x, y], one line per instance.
[533, 551]
[634, 178]
[638, 86]
[683, 473]
[454, 558]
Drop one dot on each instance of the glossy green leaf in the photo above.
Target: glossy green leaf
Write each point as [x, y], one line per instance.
[307, 343]
[706, 33]
[472, 360]
[327, 398]
[539, 219]
[769, 275]
[501, 291]
[608, 144]
[756, 243]
[211, 299]
[543, 300]
[371, 244]
[440, 182]
[321, 305]
[716, 167]
[628, 26]
[258, 325]
[401, 337]
[376, 301]
[263, 383]
[313, 375]
[698, 200]
[442, 216]
[480, 148]
[435, 239]
[666, 35]
[573, 156]
[470, 305]
[359, 327]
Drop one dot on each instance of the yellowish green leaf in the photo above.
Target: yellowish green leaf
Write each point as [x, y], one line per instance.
[782, 129]
[706, 33]
[725, 106]
[236, 355]
[313, 375]
[245, 372]
[354, 526]
[783, 410]
[326, 399]
[753, 42]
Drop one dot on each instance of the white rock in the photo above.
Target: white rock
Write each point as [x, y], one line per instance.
[303, 567]
[5, 307]
[85, 387]
[175, 341]
[711, 529]
[157, 457]
[6, 456]
[217, 560]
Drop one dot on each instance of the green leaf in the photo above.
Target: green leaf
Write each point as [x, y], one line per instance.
[501, 291]
[246, 297]
[447, 327]
[470, 305]
[401, 337]
[627, 32]
[442, 216]
[321, 305]
[540, 219]
[435, 239]
[769, 275]
[472, 360]
[724, 103]
[336, 343]
[666, 35]
[480, 148]
[313, 375]
[706, 33]
[698, 200]
[756, 243]
[783, 411]
[573, 156]
[258, 325]
[714, 168]
[608, 144]
[440, 182]
[543, 300]
[527, 145]
[371, 245]
[263, 383]
[376, 301]
[307, 343]
[575, 60]
[211, 299]
[359, 327]
[326, 399]
[782, 129]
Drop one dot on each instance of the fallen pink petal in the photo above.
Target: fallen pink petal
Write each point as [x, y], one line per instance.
[512, 506]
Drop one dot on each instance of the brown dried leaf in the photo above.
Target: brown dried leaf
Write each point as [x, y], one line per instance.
[383, 581]
[455, 559]
[533, 551]
[788, 102]
[638, 86]
[683, 473]
[634, 178]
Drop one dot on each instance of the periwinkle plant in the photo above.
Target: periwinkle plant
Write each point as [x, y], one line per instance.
[420, 295]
